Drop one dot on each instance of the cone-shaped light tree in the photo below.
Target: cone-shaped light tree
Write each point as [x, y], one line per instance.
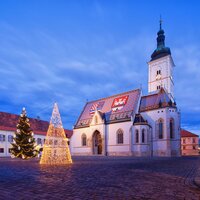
[23, 145]
[56, 149]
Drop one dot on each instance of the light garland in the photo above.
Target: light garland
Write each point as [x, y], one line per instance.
[55, 149]
[23, 142]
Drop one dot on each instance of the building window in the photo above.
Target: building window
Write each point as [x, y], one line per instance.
[158, 87]
[171, 127]
[2, 138]
[39, 141]
[10, 138]
[136, 136]
[183, 147]
[160, 129]
[143, 135]
[84, 140]
[183, 141]
[1, 150]
[194, 147]
[158, 72]
[120, 137]
[193, 140]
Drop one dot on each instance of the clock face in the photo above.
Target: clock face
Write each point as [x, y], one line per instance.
[158, 76]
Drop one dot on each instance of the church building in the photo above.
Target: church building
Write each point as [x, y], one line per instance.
[130, 123]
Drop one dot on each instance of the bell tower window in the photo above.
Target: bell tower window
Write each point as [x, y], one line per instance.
[158, 87]
[158, 72]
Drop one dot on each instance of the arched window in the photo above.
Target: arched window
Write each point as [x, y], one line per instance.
[120, 136]
[84, 140]
[143, 135]
[136, 136]
[160, 129]
[171, 127]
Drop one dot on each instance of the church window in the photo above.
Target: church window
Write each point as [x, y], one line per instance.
[120, 136]
[171, 126]
[143, 135]
[136, 136]
[84, 140]
[160, 129]
[158, 72]
[158, 87]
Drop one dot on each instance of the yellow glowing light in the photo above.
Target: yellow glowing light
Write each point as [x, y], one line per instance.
[56, 149]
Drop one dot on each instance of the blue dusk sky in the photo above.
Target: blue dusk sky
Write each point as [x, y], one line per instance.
[74, 51]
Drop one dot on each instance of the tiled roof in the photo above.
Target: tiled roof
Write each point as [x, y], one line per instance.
[185, 133]
[114, 108]
[155, 101]
[9, 121]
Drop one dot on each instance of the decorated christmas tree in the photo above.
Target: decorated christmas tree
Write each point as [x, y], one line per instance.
[23, 145]
[56, 149]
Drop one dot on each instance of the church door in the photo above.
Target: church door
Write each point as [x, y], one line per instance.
[97, 143]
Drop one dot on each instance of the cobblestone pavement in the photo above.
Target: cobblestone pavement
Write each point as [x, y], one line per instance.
[102, 178]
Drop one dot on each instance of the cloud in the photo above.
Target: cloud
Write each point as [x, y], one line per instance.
[38, 69]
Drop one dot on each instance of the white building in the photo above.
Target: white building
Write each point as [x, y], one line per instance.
[130, 123]
[8, 124]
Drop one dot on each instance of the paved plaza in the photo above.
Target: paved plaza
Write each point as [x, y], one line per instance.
[102, 178]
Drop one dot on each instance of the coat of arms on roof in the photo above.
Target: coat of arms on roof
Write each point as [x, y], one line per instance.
[96, 106]
[118, 103]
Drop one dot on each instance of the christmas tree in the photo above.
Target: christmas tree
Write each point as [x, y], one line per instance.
[23, 145]
[56, 149]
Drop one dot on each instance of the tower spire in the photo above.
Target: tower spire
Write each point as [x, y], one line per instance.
[161, 50]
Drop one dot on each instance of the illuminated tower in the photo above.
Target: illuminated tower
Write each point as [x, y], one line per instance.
[161, 67]
[56, 150]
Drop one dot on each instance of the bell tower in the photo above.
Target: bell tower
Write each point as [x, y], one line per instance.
[161, 67]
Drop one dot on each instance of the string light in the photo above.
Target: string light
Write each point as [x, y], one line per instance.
[55, 149]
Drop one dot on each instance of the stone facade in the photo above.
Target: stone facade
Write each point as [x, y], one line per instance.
[6, 138]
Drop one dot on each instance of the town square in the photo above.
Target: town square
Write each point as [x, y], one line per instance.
[102, 178]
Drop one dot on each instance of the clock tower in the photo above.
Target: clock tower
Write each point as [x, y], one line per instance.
[161, 67]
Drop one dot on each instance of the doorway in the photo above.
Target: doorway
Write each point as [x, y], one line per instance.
[97, 143]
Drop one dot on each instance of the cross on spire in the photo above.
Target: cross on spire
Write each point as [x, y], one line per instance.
[160, 22]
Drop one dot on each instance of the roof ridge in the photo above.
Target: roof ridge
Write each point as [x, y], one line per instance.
[189, 132]
[114, 95]
[149, 95]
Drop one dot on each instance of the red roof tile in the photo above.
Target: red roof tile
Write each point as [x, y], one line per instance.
[185, 133]
[155, 101]
[113, 108]
[9, 121]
